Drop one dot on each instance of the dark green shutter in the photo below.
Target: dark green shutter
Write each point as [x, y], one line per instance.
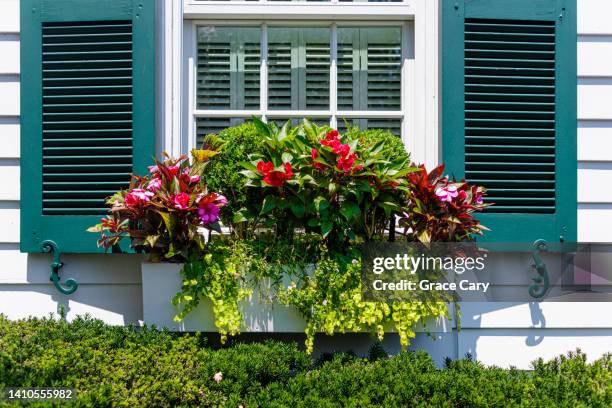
[87, 113]
[509, 112]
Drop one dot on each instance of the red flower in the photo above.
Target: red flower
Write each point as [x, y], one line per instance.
[346, 163]
[273, 177]
[331, 139]
[314, 154]
[181, 201]
[341, 149]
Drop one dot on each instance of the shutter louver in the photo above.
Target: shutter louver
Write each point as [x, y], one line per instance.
[252, 62]
[384, 73]
[214, 69]
[298, 68]
[279, 75]
[87, 114]
[510, 112]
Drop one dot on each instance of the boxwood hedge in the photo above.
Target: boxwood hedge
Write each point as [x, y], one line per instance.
[144, 367]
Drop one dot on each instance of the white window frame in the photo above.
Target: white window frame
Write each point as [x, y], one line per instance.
[419, 102]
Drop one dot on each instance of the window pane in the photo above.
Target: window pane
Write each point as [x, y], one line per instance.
[298, 68]
[207, 126]
[392, 125]
[369, 68]
[228, 67]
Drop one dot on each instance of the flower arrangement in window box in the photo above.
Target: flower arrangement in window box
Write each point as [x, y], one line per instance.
[163, 212]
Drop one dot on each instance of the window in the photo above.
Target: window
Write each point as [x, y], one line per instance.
[336, 73]
[300, 64]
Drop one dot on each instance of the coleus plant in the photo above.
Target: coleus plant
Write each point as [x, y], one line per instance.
[164, 212]
[440, 209]
[317, 179]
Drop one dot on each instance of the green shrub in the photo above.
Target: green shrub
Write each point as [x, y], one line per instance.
[144, 367]
[223, 173]
[394, 147]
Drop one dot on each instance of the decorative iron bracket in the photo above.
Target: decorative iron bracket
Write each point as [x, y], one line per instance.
[71, 284]
[541, 282]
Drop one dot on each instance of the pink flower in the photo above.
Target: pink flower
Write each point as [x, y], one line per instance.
[153, 169]
[218, 377]
[447, 193]
[181, 201]
[220, 201]
[173, 170]
[137, 197]
[208, 213]
[478, 198]
[190, 179]
[154, 184]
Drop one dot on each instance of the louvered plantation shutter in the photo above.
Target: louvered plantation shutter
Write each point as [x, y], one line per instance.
[298, 68]
[369, 74]
[87, 112]
[228, 74]
[509, 112]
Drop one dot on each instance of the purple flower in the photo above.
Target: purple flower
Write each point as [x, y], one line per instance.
[447, 193]
[208, 213]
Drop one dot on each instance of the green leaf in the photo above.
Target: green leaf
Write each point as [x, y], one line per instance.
[326, 227]
[332, 187]
[215, 226]
[240, 216]
[261, 127]
[425, 237]
[349, 210]
[321, 203]
[269, 203]
[249, 166]
[297, 208]
[314, 222]
[169, 221]
[284, 131]
[287, 157]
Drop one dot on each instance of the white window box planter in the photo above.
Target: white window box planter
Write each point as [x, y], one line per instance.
[161, 281]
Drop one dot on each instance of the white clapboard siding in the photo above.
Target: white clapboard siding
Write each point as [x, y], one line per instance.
[519, 347]
[9, 16]
[592, 180]
[595, 222]
[594, 17]
[594, 97]
[9, 174]
[9, 222]
[117, 304]
[87, 268]
[548, 315]
[9, 137]
[591, 48]
[594, 140]
[9, 95]
[9, 49]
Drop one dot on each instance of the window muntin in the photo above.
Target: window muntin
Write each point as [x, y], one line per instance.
[325, 71]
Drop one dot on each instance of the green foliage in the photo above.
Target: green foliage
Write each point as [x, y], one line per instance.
[394, 148]
[331, 301]
[344, 187]
[223, 173]
[129, 367]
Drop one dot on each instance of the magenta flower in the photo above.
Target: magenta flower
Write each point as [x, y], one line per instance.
[447, 193]
[153, 169]
[220, 201]
[154, 184]
[192, 179]
[181, 201]
[137, 196]
[173, 170]
[478, 199]
[208, 213]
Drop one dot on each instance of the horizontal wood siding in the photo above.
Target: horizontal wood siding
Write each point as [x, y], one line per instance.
[594, 120]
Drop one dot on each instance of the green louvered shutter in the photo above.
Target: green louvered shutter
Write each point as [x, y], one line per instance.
[87, 113]
[509, 112]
